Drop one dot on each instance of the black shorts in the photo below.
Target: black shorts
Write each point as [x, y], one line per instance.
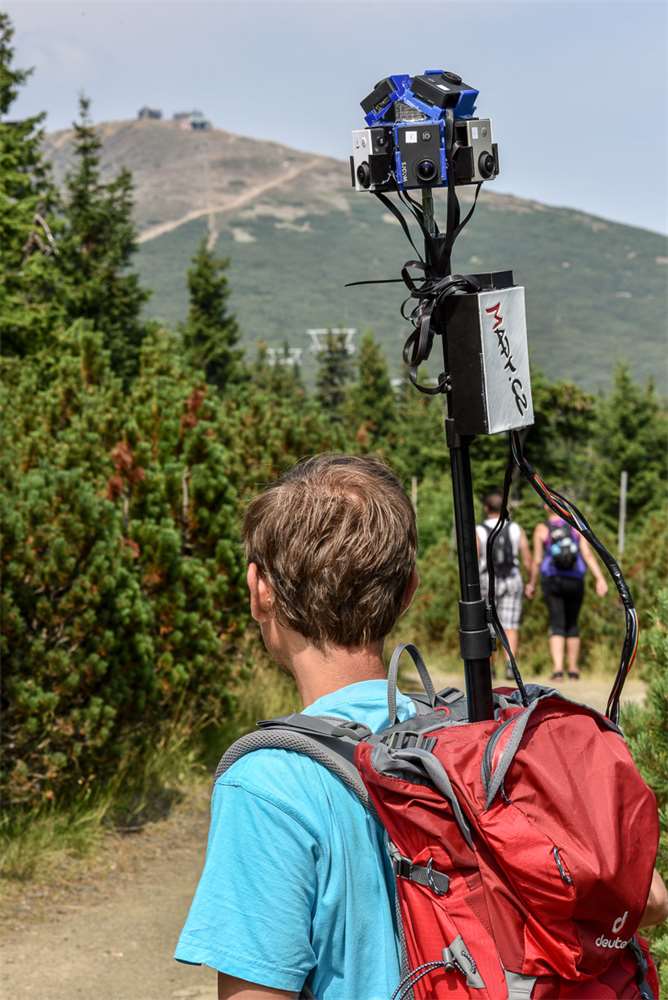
[563, 596]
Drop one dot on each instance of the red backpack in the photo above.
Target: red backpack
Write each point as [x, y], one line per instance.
[523, 846]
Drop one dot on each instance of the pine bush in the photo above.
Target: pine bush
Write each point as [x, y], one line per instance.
[122, 582]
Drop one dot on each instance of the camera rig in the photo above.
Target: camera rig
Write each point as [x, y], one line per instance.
[412, 123]
[422, 134]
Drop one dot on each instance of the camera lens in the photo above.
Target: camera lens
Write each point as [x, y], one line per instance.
[486, 164]
[426, 171]
[364, 175]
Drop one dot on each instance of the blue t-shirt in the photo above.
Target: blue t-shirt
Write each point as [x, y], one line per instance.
[296, 888]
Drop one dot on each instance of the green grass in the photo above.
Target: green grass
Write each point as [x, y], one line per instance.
[59, 840]
[44, 843]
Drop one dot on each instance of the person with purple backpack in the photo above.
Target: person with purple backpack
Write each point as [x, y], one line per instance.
[562, 558]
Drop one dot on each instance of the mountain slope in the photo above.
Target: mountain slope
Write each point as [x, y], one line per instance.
[296, 233]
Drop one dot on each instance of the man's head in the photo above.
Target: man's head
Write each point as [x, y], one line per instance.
[493, 503]
[332, 547]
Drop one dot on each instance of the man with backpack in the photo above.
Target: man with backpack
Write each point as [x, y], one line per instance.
[297, 889]
[297, 892]
[510, 546]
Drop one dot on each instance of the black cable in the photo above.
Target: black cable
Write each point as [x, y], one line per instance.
[430, 294]
[504, 518]
[415, 209]
[391, 207]
[432, 289]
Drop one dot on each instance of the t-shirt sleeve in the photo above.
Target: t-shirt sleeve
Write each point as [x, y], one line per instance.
[251, 914]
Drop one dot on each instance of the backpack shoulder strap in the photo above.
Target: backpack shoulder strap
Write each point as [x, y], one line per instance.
[329, 742]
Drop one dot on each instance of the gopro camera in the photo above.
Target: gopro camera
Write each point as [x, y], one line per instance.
[405, 144]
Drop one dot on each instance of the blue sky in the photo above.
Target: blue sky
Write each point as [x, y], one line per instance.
[577, 91]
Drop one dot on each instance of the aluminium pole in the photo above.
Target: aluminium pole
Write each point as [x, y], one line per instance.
[476, 644]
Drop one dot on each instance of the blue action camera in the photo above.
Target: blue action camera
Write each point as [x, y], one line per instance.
[416, 126]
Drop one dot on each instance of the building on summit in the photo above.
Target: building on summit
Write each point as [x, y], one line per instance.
[146, 112]
[192, 120]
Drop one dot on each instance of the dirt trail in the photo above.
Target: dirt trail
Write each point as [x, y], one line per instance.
[110, 936]
[229, 205]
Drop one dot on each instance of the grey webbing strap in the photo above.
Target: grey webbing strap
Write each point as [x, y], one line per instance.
[393, 673]
[541, 695]
[509, 752]
[448, 696]
[311, 746]
[519, 987]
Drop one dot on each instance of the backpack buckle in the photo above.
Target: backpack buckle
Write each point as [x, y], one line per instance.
[427, 875]
[399, 740]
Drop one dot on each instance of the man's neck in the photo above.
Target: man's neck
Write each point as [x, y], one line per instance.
[318, 673]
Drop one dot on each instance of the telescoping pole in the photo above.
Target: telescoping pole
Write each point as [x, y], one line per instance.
[476, 643]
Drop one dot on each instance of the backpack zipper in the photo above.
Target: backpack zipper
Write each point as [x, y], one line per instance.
[565, 877]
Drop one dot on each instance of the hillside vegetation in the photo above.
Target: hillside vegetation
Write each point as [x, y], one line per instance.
[296, 234]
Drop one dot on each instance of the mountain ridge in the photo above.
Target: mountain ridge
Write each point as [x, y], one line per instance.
[296, 233]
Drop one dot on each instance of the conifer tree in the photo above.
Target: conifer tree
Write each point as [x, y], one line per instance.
[371, 405]
[419, 448]
[261, 371]
[29, 301]
[210, 333]
[631, 434]
[334, 373]
[559, 441]
[96, 251]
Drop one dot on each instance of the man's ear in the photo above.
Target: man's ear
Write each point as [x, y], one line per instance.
[261, 595]
[409, 592]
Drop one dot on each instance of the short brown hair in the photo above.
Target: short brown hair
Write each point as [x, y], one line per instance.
[493, 502]
[335, 537]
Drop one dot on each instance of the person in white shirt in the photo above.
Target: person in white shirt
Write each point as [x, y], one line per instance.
[510, 547]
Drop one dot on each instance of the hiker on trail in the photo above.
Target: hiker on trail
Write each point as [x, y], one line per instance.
[296, 897]
[510, 546]
[562, 557]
